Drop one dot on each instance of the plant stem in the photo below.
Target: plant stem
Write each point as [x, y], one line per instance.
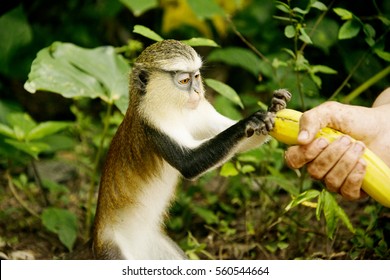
[92, 187]
[318, 21]
[18, 198]
[38, 181]
[251, 46]
[355, 93]
[344, 83]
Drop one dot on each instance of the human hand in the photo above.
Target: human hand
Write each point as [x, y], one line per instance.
[338, 164]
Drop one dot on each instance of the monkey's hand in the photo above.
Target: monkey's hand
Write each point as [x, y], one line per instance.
[259, 123]
[279, 100]
[263, 122]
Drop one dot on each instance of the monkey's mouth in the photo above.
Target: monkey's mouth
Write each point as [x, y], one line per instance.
[193, 100]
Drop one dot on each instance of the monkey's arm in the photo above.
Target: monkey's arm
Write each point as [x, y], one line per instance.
[192, 162]
[207, 154]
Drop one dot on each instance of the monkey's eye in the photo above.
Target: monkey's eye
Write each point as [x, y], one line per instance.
[183, 78]
[184, 81]
[197, 75]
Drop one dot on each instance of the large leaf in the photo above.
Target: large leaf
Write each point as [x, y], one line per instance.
[205, 9]
[147, 32]
[333, 212]
[196, 42]
[349, 29]
[72, 71]
[139, 7]
[31, 148]
[343, 13]
[225, 90]
[240, 57]
[7, 131]
[46, 128]
[21, 124]
[63, 223]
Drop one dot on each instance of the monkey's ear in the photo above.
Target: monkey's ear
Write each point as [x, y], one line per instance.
[140, 79]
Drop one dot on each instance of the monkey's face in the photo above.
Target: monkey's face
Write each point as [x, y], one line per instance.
[190, 83]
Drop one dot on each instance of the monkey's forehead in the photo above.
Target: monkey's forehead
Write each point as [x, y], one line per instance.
[182, 64]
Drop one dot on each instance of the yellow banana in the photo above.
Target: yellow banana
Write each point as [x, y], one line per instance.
[376, 182]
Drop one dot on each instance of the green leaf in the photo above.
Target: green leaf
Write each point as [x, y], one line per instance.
[247, 168]
[305, 196]
[139, 7]
[205, 214]
[289, 31]
[283, 7]
[349, 30]
[322, 69]
[72, 71]
[228, 170]
[240, 57]
[7, 131]
[316, 79]
[330, 209]
[46, 128]
[284, 183]
[147, 32]
[205, 9]
[196, 42]
[31, 148]
[344, 217]
[383, 54]
[21, 123]
[369, 30]
[319, 5]
[343, 13]
[225, 90]
[320, 205]
[63, 223]
[304, 36]
[300, 11]
[332, 212]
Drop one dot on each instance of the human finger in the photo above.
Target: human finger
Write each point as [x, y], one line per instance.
[351, 189]
[336, 176]
[328, 158]
[298, 156]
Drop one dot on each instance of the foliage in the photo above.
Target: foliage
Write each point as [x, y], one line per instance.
[253, 207]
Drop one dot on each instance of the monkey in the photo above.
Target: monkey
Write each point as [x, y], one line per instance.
[169, 131]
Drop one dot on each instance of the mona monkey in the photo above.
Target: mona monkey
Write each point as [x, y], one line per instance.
[169, 131]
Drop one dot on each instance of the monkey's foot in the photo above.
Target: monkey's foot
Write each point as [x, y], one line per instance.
[279, 100]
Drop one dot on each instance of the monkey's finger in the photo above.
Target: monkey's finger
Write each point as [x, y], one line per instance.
[279, 100]
[298, 156]
[282, 94]
[269, 121]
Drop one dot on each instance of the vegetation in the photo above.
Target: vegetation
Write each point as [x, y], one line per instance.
[63, 82]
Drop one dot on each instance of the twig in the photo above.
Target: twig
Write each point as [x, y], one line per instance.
[246, 42]
[18, 198]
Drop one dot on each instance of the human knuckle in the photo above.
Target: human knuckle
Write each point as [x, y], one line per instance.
[314, 171]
